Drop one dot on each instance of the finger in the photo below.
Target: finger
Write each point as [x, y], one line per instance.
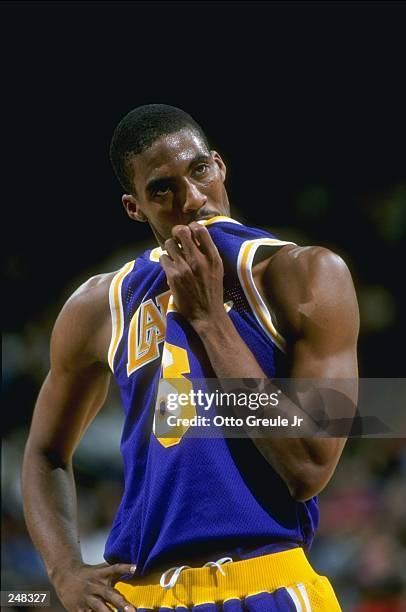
[170, 270]
[118, 569]
[97, 604]
[174, 251]
[204, 239]
[183, 234]
[114, 597]
[167, 265]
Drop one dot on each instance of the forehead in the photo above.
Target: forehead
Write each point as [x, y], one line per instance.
[168, 154]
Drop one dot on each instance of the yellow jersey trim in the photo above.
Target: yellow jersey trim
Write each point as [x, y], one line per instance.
[156, 254]
[242, 579]
[258, 306]
[116, 310]
[218, 219]
[158, 251]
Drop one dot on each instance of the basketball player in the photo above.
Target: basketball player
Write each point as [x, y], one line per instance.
[204, 524]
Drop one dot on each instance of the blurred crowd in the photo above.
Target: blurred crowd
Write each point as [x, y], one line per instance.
[361, 542]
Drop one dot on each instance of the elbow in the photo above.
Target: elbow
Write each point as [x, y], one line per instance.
[40, 457]
[302, 492]
[308, 483]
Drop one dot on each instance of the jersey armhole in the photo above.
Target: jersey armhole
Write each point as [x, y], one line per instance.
[117, 311]
[260, 310]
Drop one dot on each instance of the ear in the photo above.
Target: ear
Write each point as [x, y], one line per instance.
[220, 163]
[132, 208]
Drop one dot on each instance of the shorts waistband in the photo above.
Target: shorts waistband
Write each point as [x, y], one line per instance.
[197, 586]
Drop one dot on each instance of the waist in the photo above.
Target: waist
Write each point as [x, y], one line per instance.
[238, 553]
[207, 585]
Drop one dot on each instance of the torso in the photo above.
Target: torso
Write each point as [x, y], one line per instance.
[145, 527]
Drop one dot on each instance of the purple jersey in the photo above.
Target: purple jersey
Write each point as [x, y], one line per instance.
[185, 496]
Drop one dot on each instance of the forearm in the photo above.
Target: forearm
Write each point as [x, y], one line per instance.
[223, 344]
[301, 462]
[49, 497]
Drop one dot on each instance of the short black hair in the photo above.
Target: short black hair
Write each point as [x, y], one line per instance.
[139, 129]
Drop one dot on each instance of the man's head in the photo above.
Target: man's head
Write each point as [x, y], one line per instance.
[162, 159]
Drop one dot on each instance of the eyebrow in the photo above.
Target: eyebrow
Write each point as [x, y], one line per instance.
[165, 180]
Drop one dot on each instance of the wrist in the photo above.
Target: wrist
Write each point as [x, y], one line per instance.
[59, 572]
[216, 324]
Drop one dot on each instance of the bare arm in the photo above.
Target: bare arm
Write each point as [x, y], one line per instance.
[318, 313]
[70, 397]
[313, 297]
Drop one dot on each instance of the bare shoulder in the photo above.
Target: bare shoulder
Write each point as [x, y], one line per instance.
[82, 330]
[308, 260]
[93, 293]
[309, 283]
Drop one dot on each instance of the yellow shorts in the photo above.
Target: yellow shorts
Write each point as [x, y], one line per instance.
[279, 582]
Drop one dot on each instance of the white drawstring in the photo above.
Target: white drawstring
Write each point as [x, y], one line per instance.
[178, 570]
[173, 580]
[218, 564]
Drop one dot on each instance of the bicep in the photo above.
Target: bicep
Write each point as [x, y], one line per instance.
[322, 322]
[76, 385]
[323, 318]
[67, 403]
[325, 348]
[308, 360]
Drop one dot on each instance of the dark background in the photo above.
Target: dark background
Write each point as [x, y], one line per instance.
[304, 101]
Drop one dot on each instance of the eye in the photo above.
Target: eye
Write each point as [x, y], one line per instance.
[161, 192]
[161, 189]
[201, 169]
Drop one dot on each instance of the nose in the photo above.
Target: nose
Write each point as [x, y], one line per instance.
[194, 199]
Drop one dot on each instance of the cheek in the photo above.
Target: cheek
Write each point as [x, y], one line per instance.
[167, 216]
[216, 191]
[214, 184]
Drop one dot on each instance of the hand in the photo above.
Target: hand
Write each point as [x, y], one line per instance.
[90, 587]
[194, 272]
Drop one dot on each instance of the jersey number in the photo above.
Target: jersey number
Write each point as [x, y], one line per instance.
[175, 363]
